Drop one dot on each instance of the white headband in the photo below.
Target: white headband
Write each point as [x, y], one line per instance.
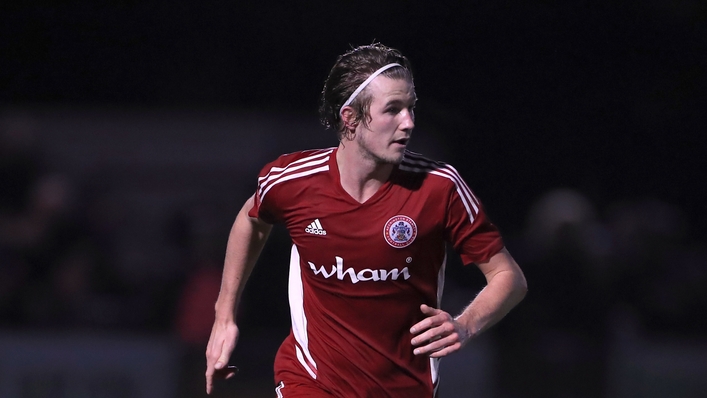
[365, 83]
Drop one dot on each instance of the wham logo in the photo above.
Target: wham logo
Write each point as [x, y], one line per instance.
[366, 274]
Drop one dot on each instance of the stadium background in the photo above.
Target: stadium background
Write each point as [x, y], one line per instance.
[132, 132]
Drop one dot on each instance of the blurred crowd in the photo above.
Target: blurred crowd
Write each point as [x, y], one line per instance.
[592, 272]
[597, 275]
[58, 253]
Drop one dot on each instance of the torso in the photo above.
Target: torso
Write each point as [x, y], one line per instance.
[359, 272]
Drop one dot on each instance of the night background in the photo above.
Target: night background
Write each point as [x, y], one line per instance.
[131, 133]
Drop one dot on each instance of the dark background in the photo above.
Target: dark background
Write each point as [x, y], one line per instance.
[599, 95]
[601, 103]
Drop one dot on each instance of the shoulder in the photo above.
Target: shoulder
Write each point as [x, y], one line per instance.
[294, 159]
[294, 166]
[433, 171]
[302, 161]
[442, 177]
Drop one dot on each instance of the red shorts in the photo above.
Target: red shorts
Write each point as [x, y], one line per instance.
[292, 385]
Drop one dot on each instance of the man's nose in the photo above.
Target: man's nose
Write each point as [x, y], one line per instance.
[408, 122]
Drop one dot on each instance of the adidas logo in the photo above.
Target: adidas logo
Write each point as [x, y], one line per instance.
[315, 228]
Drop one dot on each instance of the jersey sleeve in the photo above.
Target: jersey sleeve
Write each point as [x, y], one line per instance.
[265, 206]
[467, 227]
[284, 179]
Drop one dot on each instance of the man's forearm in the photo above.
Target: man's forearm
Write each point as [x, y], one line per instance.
[245, 242]
[506, 287]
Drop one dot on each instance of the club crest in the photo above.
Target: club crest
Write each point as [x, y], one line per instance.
[400, 231]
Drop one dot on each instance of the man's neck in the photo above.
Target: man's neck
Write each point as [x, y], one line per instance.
[360, 177]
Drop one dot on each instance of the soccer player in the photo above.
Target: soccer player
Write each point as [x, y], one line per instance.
[369, 222]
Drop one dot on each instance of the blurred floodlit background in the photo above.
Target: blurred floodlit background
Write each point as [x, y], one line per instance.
[132, 132]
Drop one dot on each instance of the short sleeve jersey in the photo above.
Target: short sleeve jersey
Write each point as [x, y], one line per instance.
[360, 271]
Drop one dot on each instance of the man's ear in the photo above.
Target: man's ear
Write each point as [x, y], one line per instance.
[349, 121]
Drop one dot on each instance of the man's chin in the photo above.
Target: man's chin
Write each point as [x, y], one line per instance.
[391, 158]
[396, 160]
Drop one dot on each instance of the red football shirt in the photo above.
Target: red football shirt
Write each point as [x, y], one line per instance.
[359, 271]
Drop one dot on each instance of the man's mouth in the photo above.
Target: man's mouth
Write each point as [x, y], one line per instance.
[401, 141]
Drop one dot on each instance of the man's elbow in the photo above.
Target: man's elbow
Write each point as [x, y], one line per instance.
[520, 286]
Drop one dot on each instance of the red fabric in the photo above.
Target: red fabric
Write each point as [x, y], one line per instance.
[355, 293]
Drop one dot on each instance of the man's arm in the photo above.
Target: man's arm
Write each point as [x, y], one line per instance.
[439, 334]
[245, 242]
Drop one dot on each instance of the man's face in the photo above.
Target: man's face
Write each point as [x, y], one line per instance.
[392, 119]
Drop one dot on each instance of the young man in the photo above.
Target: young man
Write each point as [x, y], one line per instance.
[369, 222]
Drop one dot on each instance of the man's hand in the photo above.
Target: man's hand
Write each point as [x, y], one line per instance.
[224, 336]
[439, 334]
